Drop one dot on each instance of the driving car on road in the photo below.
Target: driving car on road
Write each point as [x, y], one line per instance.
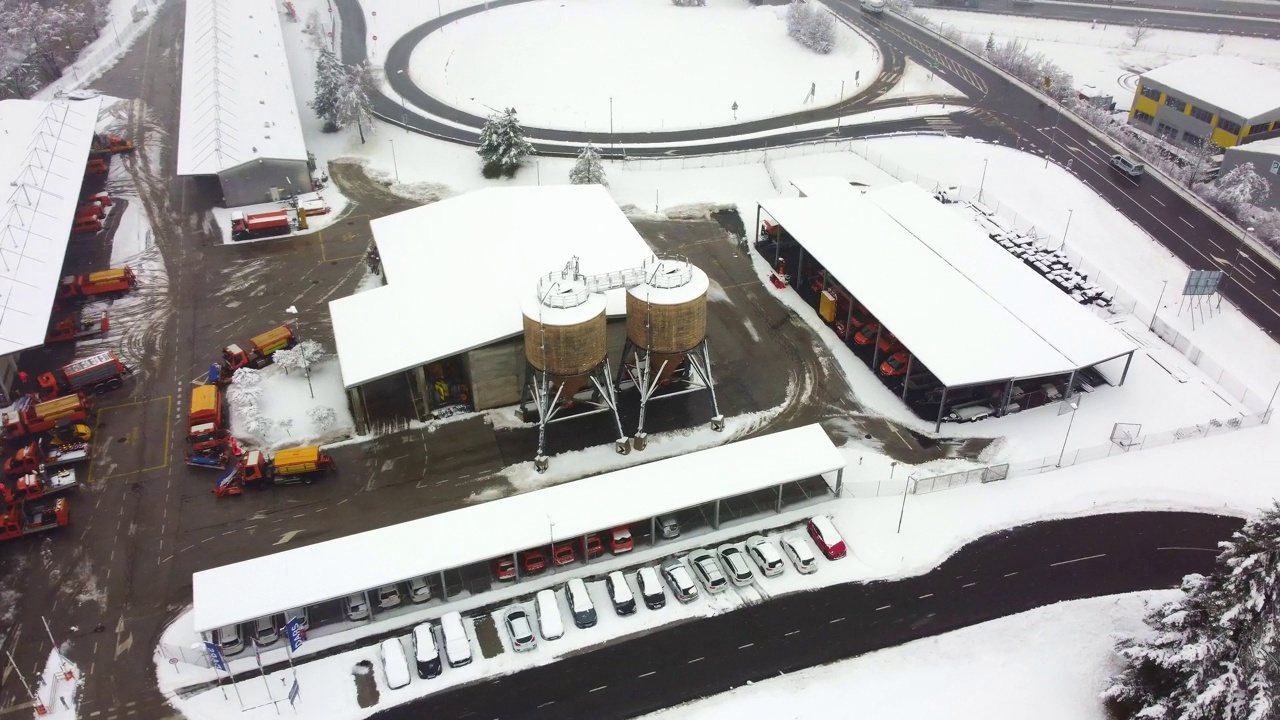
[1133, 169]
[736, 564]
[708, 571]
[765, 556]
[679, 580]
[520, 629]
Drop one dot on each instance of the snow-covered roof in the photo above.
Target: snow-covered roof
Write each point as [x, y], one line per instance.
[458, 272]
[1270, 146]
[958, 331]
[1228, 83]
[42, 167]
[825, 186]
[1068, 326]
[333, 569]
[237, 95]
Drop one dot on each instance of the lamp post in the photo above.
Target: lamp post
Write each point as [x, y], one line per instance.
[611, 123]
[1066, 229]
[983, 183]
[1152, 324]
[394, 164]
[1075, 405]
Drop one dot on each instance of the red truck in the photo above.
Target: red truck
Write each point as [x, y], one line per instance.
[205, 432]
[32, 418]
[43, 484]
[25, 518]
[258, 353]
[73, 326]
[98, 374]
[44, 454]
[103, 282]
[261, 225]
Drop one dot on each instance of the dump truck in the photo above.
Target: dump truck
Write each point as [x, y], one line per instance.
[26, 518]
[303, 465]
[260, 225]
[103, 282]
[29, 417]
[44, 454]
[98, 374]
[258, 353]
[205, 433]
[206, 407]
[38, 484]
[74, 326]
[109, 144]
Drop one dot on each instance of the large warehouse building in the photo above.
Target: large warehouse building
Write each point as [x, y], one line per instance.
[947, 318]
[1208, 98]
[239, 120]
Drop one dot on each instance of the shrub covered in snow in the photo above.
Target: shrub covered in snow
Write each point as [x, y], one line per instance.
[588, 170]
[689, 3]
[812, 26]
[502, 144]
[1235, 193]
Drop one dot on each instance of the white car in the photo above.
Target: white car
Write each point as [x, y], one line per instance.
[520, 629]
[735, 563]
[797, 548]
[765, 556]
[388, 597]
[708, 571]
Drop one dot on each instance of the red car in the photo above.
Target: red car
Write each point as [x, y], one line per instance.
[895, 364]
[594, 547]
[532, 562]
[505, 569]
[620, 540]
[867, 333]
[826, 537]
[888, 343]
[562, 553]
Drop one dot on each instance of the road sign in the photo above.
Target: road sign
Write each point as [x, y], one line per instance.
[293, 629]
[215, 656]
[1275, 167]
[294, 692]
[1202, 282]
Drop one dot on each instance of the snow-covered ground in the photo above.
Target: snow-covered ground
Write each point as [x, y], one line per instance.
[576, 72]
[329, 197]
[1103, 55]
[1049, 663]
[287, 406]
[59, 686]
[126, 21]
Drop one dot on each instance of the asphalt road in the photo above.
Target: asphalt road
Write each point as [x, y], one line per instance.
[1226, 18]
[995, 576]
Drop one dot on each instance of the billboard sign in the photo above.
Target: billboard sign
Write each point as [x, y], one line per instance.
[1203, 282]
[293, 629]
[215, 656]
[294, 692]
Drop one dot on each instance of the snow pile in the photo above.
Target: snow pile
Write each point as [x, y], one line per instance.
[1050, 663]
[281, 407]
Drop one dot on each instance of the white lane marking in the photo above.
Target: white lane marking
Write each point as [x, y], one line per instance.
[1015, 572]
[1187, 223]
[599, 688]
[549, 702]
[744, 647]
[925, 596]
[286, 537]
[1211, 242]
[793, 632]
[651, 672]
[695, 660]
[833, 622]
[1158, 200]
[969, 585]
[883, 607]
[1079, 559]
[1212, 550]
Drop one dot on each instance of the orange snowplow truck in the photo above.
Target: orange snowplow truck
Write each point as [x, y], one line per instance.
[204, 422]
[103, 282]
[303, 465]
[258, 353]
[31, 418]
[109, 144]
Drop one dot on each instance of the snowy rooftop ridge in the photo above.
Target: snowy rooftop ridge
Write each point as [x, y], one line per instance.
[41, 171]
[514, 236]
[313, 574]
[1230, 83]
[1270, 146]
[237, 94]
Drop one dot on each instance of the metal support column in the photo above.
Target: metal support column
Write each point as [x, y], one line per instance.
[799, 267]
[444, 587]
[848, 322]
[515, 561]
[539, 389]
[1125, 374]
[1071, 386]
[942, 405]
[757, 223]
[906, 379]
[653, 524]
[418, 376]
[875, 349]
[839, 481]
[369, 606]
[715, 518]
[359, 413]
[777, 508]
[585, 557]
[1006, 398]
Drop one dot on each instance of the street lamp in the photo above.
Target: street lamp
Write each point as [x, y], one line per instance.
[1066, 229]
[394, 164]
[1075, 405]
[983, 183]
[1152, 326]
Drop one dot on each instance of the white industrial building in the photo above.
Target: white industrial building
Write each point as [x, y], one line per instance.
[240, 120]
[42, 168]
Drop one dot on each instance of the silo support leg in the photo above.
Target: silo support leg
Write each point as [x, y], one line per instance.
[648, 383]
[700, 361]
[604, 386]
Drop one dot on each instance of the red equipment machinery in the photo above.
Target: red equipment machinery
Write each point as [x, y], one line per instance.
[258, 354]
[32, 418]
[103, 282]
[108, 144]
[44, 454]
[73, 326]
[36, 485]
[99, 374]
[19, 518]
[260, 225]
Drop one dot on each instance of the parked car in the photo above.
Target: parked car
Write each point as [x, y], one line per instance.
[457, 645]
[550, 621]
[827, 538]
[802, 557]
[388, 597]
[620, 540]
[866, 334]
[895, 364]
[584, 611]
[302, 615]
[394, 663]
[595, 548]
[679, 580]
[426, 654]
[532, 562]
[1133, 169]
[624, 601]
[562, 553]
[520, 630]
[504, 568]
[419, 590]
[650, 588]
[888, 343]
[708, 571]
[668, 527]
[265, 631]
[357, 607]
[765, 556]
[229, 640]
[735, 563]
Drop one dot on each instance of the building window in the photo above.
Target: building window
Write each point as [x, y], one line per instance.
[1175, 103]
[1227, 126]
[1192, 139]
[1142, 117]
[1151, 93]
[1259, 128]
[1202, 115]
[1166, 131]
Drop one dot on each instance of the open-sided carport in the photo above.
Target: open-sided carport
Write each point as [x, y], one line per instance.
[355, 564]
[972, 315]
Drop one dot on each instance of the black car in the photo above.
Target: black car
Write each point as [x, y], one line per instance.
[651, 588]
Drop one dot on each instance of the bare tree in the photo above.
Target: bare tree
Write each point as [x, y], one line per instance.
[322, 417]
[1138, 32]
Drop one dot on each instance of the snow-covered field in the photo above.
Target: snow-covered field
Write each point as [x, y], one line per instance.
[1103, 55]
[577, 71]
[1049, 663]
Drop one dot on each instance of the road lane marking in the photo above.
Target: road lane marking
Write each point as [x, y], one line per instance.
[969, 585]
[744, 647]
[833, 622]
[1079, 559]
[1158, 200]
[925, 596]
[883, 607]
[695, 660]
[599, 688]
[793, 632]
[549, 702]
[651, 672]
[1211, 242]
[1015, 572]
[1193, 227]
[287, 537]
[1212, 550]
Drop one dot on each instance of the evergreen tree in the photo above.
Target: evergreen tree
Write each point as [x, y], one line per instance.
[991, 43]
[502, 144]
[330, 81]
[354, 104]
[588, 170]
[1214, 653]
[812, 26]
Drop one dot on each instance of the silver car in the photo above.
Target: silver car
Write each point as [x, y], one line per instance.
[765, 556]
[708, 571]
[681, 582]
[735, 562]
[520, 629]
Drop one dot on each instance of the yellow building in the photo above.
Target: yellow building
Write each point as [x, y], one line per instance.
[1208, 98]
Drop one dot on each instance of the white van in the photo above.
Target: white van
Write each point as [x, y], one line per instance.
[394, 663]
[457, 646]
[550, 622]
[584, 611]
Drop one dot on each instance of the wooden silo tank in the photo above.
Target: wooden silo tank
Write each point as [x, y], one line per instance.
[667, 313]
